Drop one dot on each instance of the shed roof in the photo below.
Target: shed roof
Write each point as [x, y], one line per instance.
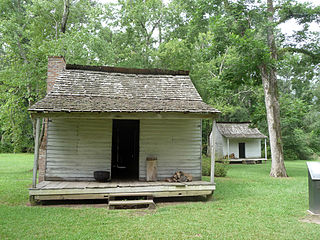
[239, 130]
[107, 89]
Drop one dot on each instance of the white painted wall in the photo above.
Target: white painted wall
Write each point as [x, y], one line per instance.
[78, 147]
[176, 143]
[252, 146]
[220, 144]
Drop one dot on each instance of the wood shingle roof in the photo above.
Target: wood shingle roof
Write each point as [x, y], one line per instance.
[91, 90]
[239, 130]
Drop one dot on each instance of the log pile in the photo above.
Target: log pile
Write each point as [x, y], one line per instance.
[180, 176]
[231, 156]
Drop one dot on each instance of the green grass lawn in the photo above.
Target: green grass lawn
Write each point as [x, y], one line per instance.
[247, 204]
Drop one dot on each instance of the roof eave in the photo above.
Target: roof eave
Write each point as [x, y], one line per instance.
[242, 137]
[38, 113]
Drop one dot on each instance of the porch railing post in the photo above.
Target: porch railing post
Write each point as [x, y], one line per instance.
[213, 150]
[265, 149]
[228, 148]
[36, 154]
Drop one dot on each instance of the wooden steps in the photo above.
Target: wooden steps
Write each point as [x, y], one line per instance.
[136, 199]
[126, 203]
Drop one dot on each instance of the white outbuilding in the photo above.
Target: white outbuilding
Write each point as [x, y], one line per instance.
[238, 142]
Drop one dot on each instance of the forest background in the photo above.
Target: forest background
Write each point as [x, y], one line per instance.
[221, 42]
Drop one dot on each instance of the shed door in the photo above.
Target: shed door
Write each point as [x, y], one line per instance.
[125, 149]
[242, 150]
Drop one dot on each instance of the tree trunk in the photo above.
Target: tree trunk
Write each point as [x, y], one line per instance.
[269, 81]
[270, 86]
[65, 16]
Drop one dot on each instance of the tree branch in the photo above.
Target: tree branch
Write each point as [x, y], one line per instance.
[315, 57]
[65, 16]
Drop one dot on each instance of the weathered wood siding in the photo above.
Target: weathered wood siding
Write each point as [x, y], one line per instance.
[77, 147]
[252, 147]
[175, 143]
[220, 144]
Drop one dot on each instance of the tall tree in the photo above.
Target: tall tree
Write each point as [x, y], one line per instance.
[271, 95]
[259, 48]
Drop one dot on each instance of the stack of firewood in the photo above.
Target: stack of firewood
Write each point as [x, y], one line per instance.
[231, 156]
[180, 176]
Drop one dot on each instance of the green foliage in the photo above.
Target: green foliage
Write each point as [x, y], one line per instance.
[222, 43]
[174, 55]
[220, 169]
[30, 32]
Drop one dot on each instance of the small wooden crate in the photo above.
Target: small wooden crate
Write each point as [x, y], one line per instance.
[152, 169]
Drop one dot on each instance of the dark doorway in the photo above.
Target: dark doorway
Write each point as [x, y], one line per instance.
[125, 149]
[242, 150]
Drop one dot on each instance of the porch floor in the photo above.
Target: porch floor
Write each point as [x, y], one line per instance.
[244, 160]
[67, 190]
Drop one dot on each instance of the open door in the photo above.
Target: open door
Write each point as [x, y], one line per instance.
[125, 149]
[242, 150]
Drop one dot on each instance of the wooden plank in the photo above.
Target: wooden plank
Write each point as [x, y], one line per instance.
[131, 194]
[58, 185]
[72, 197]
[213, 150]
[151, 170]
[77, 184]
[130, 202]
[175, 143]
[106, 196]
[77, 148]
[265, 149]
[152, 189]
[42, 184]
[36, 154]
[182, 194]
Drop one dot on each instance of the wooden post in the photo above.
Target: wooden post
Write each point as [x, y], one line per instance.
[228, 149]
[213, 150]
[152, 171]
[36, 154]
[265, 149]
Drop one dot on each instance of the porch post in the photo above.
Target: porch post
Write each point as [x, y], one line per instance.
[265, 149]
[36, 154]
[228, 148]
[213, 150]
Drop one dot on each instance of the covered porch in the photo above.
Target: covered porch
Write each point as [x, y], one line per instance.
[241, 155]
[244, 160]
[81, 189]
[69, 190]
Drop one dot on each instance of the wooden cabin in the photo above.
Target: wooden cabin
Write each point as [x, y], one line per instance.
[238, 142]
[116, 119]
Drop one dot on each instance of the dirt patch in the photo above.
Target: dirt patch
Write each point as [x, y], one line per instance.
[311, 218]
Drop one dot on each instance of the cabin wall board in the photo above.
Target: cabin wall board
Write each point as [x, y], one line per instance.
[78, 147]
[252, 147]
[220, 144]
[176, 143]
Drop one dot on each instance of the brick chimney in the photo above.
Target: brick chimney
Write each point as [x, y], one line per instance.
[55, 66]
